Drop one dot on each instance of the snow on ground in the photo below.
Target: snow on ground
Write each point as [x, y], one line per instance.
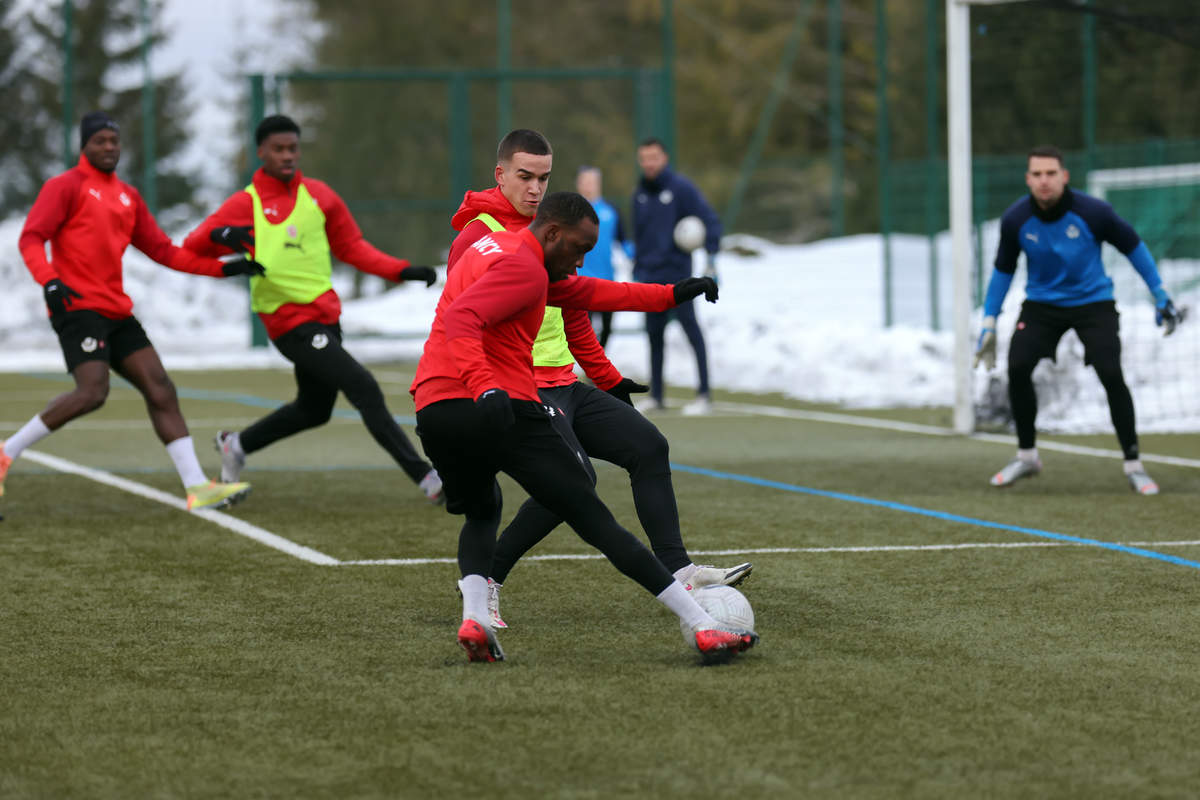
[803, 320]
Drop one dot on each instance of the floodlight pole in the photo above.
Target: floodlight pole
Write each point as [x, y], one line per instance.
[958, 120]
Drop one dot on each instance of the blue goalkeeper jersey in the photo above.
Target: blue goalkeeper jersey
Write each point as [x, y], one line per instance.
[1062, 251]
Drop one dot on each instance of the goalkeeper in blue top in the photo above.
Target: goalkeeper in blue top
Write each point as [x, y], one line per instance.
[1061, 232]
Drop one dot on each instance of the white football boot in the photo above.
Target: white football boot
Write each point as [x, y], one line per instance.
[1015, 470]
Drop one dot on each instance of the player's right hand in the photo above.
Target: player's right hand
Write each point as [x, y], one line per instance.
[496, 408]
[58, 296]
[238, 238]
[985, 350]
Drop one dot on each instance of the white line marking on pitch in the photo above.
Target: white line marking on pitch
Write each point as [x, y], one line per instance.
[409, 562]
[933, 430]
[234, 524]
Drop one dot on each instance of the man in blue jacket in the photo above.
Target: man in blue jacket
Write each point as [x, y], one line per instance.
[661, 199]
[598, 261]
[1067, 288]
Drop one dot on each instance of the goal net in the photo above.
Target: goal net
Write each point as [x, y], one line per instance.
[1113, 89]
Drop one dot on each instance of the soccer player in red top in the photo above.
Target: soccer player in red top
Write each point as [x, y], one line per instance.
[602, 424]
[89, 216]
[478, 410]
[296, 223]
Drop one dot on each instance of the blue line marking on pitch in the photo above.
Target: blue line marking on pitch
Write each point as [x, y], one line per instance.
[983, 523]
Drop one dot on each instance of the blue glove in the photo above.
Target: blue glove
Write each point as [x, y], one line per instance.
[1165, 314]
[985, 349]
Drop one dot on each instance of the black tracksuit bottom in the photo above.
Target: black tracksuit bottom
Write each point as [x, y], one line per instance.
[468, 455]
[594, 423]
[323, 368]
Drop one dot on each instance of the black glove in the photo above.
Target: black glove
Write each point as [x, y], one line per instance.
[58, 296]
[235, 237]
[242, 265]
[625, 388]
[427, 274]
[496, 408]
[690, 288]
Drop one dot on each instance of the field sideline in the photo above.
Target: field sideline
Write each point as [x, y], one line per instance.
[922, 633]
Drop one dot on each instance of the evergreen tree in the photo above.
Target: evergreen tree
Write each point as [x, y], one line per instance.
[106, 68]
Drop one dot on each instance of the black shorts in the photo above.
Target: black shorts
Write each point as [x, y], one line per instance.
[468, 456]
[1041, 326]
[90, 336]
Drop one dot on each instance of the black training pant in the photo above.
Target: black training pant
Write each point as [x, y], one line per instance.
[322, 369]
[594, 423]
[1039, 329]
[656, 326]
[468, 455]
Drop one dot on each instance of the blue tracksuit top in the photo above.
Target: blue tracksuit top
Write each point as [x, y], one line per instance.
[657, 206]
[598, 261]
[1062, 251]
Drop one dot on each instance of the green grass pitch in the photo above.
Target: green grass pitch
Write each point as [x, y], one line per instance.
[923, 635]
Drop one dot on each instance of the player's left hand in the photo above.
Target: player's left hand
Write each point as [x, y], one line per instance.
[690, 288]
[427, 274]
[242, 265]
[625, 388]
[1165, 314]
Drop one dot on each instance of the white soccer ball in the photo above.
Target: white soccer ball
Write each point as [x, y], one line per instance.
[689, 234]
[726, 605]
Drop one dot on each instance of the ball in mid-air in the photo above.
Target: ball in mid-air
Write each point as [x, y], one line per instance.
[689, 234]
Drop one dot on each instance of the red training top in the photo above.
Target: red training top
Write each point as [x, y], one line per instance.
[581, 338]
[346, 242]
[491, 309]
[90, 217]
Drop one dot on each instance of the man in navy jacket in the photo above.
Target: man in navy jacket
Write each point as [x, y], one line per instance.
[661, 199]
[1060, 232]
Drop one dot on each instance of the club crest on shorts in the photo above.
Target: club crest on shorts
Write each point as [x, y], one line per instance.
[90, 344]
[320, 341]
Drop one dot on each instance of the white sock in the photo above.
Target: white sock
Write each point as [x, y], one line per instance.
[30, 434]
[183, 453]
[683, 573]
[235, 440]
[1028, 456]
[474, 592]
[1133, 465]
[676, 598]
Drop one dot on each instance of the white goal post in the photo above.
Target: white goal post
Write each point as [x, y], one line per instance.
[958, 122]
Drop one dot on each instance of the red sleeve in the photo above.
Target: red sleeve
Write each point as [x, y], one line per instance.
[595, 294]
[508, 287]
[237, 210]
[150, 239]
[472, 233]
[345, 237]
[50, 210]
[586, 349]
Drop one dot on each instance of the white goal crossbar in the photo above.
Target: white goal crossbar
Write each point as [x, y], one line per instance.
[1101, 181]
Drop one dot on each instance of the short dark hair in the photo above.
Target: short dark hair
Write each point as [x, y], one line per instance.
[523, 140]
[1046, 151]
[653, 141]
[276, 123]
[565, 208]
